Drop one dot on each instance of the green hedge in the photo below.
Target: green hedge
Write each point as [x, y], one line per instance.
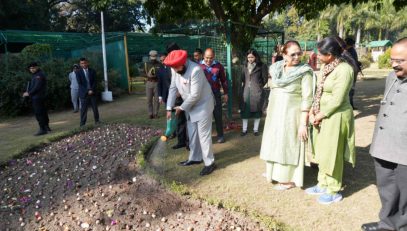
[15, 76]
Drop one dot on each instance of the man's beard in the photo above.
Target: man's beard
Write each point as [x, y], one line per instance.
[182, 72]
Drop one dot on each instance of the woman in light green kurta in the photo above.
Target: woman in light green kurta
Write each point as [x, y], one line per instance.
[287, 118]
[332, 117]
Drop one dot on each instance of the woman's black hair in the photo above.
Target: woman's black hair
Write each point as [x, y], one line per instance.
[255, 54]
[335, 46]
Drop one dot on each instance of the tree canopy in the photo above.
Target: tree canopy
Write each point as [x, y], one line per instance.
[367, 20]
[242, 12]
[72, 15]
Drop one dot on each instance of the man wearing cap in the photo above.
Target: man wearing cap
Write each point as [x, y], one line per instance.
[74, 88]
[215, 74]
[151, 69]
[86, 78]
[37, 91]
[189, 79]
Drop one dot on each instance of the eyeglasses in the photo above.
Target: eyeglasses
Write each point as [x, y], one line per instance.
[295, 54]
[397, 61]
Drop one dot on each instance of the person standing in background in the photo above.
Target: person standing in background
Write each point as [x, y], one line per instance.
[197, 55]
[350, 47]
[216, 76]
[86, 78]
[151, 68]
[37, 91]
[74, 88]
[254, 76]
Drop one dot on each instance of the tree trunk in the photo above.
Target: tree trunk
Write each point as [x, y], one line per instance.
[358, 32]
[386, 34]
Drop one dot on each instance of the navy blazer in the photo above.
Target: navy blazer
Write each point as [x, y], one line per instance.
[164, 82]
[83, 85]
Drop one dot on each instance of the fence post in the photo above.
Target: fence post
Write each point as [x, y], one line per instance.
[229, 68]
[126, 56]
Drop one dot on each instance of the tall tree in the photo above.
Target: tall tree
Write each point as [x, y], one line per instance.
[72, 15]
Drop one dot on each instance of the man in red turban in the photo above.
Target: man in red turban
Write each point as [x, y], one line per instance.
[189, 79]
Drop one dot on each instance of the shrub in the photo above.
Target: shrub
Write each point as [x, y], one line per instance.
[366, 60]
[15, 77]
[384, 60]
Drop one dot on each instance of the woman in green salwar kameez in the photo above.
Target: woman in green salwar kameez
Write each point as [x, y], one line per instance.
[332, 118]
[287, 119]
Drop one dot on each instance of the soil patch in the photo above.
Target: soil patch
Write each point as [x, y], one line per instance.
[90, 181]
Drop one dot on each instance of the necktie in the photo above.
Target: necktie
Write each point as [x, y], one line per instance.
[87, 78]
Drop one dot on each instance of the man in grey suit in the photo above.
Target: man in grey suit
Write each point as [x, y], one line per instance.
[389, 146]
[189, 79]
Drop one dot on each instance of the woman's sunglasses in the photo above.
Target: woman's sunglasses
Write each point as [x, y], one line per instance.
[295, 54]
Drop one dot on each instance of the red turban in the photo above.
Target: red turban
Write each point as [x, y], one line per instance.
[176, 58]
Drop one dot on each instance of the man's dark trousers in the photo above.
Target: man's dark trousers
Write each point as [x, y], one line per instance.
[392, 187]
[40, 112]
[181, 125]
[89, 99]
[217, 113]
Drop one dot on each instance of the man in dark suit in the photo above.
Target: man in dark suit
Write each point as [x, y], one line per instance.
[389, 146]
[164, 80]
[37, 91]
[86, 78]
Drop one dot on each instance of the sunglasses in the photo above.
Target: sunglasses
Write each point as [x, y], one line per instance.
[397, 61]
[295, 54]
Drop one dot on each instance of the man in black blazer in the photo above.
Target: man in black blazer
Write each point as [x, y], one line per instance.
[86, 78]
[164, 80]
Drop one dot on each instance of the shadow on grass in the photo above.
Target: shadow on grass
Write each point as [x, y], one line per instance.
[354, 179]
[368, 96]
[236, 149]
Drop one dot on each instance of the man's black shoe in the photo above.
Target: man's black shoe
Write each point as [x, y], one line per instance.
[189, 162]
[40, 133]
[48, 129]
[208, 169]
[178, 146]
[374, 226]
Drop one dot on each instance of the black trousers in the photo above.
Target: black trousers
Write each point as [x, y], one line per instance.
[217, 113]
[392, 186]
[89, 99]
[41, 113]
[181, 124]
